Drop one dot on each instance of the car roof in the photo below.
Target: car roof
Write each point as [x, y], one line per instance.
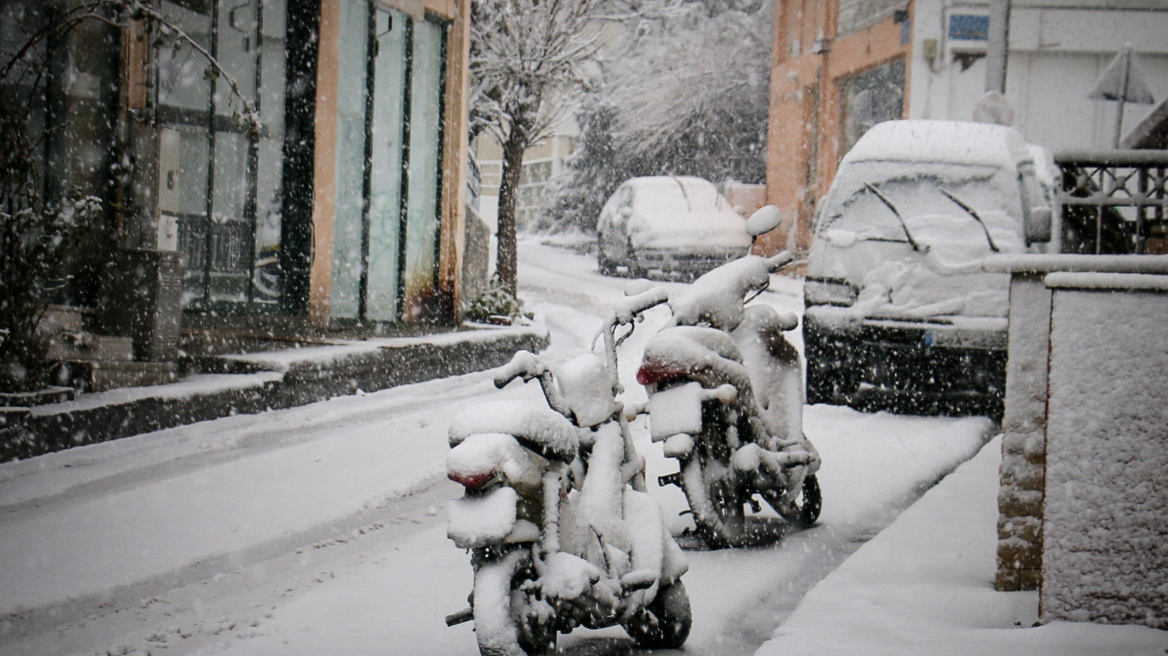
[957, 142]
[669, 181]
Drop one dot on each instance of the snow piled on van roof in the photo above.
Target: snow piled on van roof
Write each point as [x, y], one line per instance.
[959, 142]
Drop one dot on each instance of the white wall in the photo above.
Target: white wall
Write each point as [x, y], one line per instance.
[1056, 56]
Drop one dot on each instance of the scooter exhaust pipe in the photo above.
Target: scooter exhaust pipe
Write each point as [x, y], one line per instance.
[464, 615]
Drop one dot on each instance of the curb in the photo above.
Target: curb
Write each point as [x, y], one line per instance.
[277, 380]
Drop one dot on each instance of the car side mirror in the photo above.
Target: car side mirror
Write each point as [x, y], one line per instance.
[764, 219]
[625, 212]
[1038, 225]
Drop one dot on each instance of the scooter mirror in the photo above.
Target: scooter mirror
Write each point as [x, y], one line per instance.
[764, 219]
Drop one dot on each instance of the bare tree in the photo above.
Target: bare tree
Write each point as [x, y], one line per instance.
[526, 59]
[701, 74]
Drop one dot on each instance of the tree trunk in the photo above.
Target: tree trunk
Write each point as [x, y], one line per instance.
[507, 260]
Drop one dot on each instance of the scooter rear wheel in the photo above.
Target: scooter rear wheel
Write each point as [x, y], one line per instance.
[804, 511]
[718, 511]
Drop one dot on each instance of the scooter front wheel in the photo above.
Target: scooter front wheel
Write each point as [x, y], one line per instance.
[713, 497]
[665, 622]
[804, 510]
[508, 618]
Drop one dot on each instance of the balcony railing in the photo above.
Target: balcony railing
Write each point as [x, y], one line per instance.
[1114, 201]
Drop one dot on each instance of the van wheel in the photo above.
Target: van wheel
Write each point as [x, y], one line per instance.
[828, 386]
[605, 265]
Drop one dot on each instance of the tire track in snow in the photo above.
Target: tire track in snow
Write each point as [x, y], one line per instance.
[205, 599]
[229, 439]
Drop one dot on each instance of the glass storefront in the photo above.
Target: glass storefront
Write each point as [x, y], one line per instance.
[59, 118]
[223, 189]
[871, 97]
[388, 164]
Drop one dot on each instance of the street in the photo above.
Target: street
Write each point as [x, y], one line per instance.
[321, 529]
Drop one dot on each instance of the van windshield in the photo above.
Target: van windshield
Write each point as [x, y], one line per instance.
[856, 212]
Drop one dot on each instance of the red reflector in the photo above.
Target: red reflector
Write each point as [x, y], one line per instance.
[472, 480]
[653, 372]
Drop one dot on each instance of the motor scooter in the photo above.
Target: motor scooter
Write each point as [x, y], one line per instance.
[555, 514]
[726, 398]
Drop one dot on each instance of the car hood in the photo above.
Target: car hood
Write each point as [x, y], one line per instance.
[892, 280]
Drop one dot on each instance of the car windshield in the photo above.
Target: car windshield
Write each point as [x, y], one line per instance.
[673, 196]
[924, 198]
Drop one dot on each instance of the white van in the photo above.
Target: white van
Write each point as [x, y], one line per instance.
[899, 314]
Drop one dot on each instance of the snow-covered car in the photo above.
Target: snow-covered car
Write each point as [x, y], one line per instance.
[899, 313]
[668, 225]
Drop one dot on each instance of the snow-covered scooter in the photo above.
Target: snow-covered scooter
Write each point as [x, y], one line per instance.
[555, 513]
[726, 398]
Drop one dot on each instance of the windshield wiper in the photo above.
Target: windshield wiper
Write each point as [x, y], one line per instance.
[967, 208]
[912, 242]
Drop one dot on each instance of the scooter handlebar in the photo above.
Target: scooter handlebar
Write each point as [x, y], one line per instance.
[525, 364]
[779, 261]
[632, 306]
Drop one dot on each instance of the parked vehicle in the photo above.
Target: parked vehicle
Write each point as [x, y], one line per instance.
[668, 226]
[555, 514]
[899, 313]
[726, 398]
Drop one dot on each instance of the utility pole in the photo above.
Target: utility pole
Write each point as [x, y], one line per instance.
[997, 46]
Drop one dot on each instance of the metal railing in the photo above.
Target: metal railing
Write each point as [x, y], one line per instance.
[1114, 201]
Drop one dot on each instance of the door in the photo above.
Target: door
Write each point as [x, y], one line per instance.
[388, 166]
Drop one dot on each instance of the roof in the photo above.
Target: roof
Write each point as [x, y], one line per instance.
[1152, 132]
[959, 142]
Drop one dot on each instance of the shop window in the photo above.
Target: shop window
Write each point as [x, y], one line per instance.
[223, 188]
[58, 107]
[873, 96]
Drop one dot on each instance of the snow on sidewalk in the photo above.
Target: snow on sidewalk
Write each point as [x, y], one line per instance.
[924, 585]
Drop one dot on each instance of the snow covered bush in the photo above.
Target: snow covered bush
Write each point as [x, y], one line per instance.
[495, 305]
[35, 237]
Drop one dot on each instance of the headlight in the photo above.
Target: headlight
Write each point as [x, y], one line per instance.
[822, 291]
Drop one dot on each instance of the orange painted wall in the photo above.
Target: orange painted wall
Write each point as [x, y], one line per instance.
[804, 132]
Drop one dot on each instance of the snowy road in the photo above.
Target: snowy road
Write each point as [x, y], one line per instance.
[322, 529]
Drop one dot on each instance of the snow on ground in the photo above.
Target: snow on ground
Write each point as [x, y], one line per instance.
[924, 585]
[874, 465]
[321, 529]
[80, 521]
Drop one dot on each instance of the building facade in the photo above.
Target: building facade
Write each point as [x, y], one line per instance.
[342, 205]
[840, 66]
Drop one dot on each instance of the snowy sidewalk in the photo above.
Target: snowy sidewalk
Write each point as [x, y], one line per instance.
[924, 585]
[255, 382]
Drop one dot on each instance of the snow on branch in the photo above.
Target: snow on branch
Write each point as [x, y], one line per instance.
[527, 61]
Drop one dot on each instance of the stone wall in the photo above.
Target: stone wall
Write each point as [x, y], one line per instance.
[1081, 498]
[1105, 537]
[1023, 469]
